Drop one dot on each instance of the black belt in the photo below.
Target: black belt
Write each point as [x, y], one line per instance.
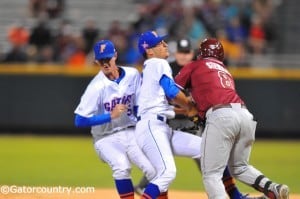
[225, 106]
[158, 117]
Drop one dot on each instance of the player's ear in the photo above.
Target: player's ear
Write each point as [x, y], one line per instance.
[149, 52]
[116, 55]
[96, 62]
[114, 58]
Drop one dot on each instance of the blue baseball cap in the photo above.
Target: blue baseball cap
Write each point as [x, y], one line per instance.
[104, 49]
[149, 39]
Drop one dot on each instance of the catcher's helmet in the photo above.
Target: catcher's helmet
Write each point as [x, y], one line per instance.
[211, 47]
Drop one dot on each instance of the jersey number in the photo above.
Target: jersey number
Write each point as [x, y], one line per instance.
[225, 80]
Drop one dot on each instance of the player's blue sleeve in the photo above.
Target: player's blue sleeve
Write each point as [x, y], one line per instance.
[169, 86]
[81, 121]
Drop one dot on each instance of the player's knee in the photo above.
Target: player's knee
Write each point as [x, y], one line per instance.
[121, 173]
[165, 179]
[150, 173]
[237, 171]
[169, 175]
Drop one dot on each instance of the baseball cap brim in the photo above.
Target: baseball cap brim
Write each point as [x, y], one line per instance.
[106, 56]
[158, 39]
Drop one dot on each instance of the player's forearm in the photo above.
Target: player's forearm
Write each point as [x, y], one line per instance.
[185, 103]
[81, 121]
[179, 110]
[176, 96]
[181, 100]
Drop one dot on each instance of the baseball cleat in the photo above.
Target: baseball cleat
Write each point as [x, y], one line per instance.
[282, 191]
[278, 191]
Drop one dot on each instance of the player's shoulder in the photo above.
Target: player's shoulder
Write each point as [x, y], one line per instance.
[129, 70]
[158, 60]
[97, 82]
[214, 64]
[211, 60]
[156, 63]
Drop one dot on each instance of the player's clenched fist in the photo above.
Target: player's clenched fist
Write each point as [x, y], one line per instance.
[192, 111]
[118, 110]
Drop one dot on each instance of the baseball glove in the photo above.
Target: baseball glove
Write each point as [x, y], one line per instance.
[197, 120]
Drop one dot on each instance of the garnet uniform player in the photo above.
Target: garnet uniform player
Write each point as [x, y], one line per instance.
[230, 129]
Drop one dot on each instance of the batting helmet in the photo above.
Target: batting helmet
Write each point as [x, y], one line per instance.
[211, 47]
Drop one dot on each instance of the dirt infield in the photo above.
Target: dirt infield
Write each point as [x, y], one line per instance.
[109, 194]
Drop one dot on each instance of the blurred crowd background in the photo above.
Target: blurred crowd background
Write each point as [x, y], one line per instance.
[62, 32]
[44, 42]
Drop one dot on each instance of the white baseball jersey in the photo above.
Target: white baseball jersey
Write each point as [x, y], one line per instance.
[102, 95]
[154, 99]
[154, 136]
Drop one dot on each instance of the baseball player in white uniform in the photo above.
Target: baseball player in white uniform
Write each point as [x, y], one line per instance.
[107, 106]
[153, 134]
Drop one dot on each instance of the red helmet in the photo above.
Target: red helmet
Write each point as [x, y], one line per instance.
[211, 47]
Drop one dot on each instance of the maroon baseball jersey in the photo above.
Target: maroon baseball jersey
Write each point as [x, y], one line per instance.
[210, 84]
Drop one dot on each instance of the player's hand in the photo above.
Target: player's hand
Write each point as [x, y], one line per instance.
[179, 110]
[192, 111]
[118, 110]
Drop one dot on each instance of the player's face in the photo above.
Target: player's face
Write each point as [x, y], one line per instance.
[161, 50]
[183, 58]
[108, 65]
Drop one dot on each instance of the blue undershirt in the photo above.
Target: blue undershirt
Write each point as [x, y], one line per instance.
[81, 121]
[169, 86]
